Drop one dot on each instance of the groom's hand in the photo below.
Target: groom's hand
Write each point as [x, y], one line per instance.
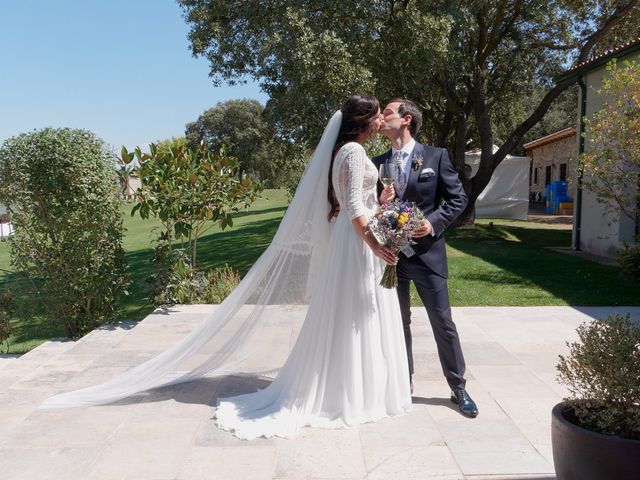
[388, 194]
[424, 230]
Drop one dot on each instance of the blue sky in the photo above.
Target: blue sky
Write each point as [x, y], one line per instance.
[120, 68]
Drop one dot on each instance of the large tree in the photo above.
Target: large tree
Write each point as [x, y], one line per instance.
[240, 126]
[464, 62]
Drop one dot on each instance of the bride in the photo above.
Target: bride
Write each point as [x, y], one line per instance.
[348, 365]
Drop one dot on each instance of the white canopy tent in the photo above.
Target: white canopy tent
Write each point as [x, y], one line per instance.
[507, 194]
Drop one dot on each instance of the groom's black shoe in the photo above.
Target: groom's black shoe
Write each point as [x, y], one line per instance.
[465, 404]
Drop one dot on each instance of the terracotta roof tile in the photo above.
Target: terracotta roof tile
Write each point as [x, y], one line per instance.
[606, 54]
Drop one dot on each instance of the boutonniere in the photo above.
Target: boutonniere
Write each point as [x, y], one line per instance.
[416, 162]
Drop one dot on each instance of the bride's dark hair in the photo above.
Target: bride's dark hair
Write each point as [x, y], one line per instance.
[357, 115]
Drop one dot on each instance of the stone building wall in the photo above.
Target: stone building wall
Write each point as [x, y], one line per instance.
[553, 155]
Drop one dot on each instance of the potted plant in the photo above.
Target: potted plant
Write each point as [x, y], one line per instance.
[595, 432]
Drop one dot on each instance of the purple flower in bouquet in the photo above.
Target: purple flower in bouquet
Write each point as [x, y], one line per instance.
[393, 225]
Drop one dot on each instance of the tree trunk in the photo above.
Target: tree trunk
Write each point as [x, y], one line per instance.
[443, 135]
[194, 246]
[485, 132]
[460, 144]
[468, 215]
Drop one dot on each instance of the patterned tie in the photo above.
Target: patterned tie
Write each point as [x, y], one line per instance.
[401, 182]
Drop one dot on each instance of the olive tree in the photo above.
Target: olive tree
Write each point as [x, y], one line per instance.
[189, 191]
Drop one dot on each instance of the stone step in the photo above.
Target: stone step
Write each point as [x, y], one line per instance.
[101, 354]
[52, 354]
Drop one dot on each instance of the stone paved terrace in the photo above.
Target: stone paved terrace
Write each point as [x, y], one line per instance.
[511, 354]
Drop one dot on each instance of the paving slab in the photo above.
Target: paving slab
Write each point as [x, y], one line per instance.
[224, 463]
[169, 433]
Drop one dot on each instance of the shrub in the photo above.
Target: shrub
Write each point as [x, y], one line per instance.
[629, 259]
[61, 190]
[220, 283]
[172, 282]
[176, 281]
[602, 372]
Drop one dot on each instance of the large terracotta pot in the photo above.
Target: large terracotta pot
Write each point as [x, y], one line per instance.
[580, 454]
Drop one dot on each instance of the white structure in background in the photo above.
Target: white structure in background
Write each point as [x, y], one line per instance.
[507, 194]
[594, 229]
[6, 229]
[132, 186]
[5, 226]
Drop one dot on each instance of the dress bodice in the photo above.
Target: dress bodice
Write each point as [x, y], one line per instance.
[354, 180]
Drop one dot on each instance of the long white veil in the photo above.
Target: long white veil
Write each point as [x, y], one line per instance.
[255, 315]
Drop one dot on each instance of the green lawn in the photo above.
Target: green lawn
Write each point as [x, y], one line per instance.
[509, 265]
[506, 264]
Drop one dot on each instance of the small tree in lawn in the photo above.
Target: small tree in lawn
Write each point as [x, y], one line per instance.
[190, 191]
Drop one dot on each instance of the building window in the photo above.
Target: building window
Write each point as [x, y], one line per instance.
[547, 175]
[563, 172]
[535, 176]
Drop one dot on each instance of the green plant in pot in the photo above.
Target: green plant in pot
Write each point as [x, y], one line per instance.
[596, 430]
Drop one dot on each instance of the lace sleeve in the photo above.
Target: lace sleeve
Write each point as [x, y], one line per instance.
[351, 178]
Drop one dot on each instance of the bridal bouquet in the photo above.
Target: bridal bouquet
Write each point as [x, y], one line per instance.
[393, 225]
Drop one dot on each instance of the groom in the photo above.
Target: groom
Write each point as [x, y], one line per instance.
[426, 176]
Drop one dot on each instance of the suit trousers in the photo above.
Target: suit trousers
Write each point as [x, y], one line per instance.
[433, 292]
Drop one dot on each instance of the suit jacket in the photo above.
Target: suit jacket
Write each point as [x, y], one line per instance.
[437, 191]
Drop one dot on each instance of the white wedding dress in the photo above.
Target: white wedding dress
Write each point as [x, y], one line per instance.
[349, 364]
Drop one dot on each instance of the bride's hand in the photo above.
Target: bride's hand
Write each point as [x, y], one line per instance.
[386, 254]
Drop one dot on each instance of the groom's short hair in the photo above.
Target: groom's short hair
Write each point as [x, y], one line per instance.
[407, 107]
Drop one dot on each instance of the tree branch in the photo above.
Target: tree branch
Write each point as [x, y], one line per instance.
[535, 117]
[613, 20]
[497, 33]
[494, 35]
[554, 46]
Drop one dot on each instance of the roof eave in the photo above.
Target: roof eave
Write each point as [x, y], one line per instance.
[597, 63]
[551, 138]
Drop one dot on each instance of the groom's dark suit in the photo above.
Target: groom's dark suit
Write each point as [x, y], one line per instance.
[436, 189]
